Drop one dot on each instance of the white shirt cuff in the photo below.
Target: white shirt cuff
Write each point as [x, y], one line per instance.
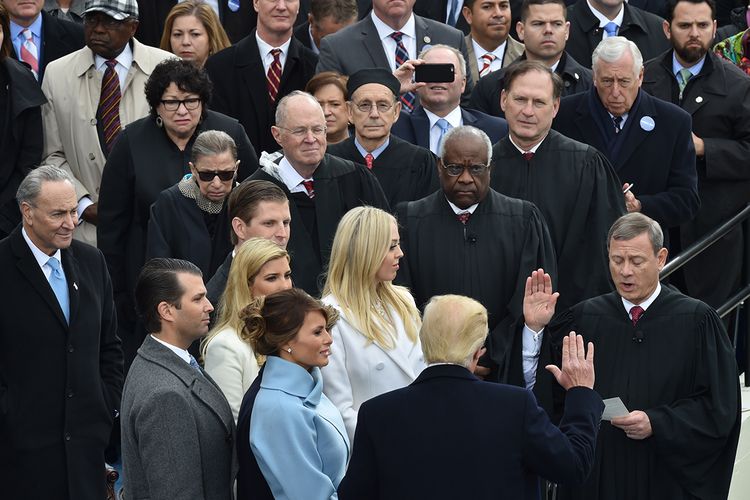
[83, 204]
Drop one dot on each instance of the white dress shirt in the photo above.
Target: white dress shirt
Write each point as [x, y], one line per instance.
[603, 21]
[265, 53]
[499, 54]
[389, 44]
[41, 257]
[182, 353]
[454, 118]
[291, 178]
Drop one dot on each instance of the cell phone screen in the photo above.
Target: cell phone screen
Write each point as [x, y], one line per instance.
[434, 73]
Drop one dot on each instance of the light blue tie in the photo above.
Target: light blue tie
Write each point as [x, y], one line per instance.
[60, 286]
[234, 5]
[611, 29]
[195, 364]
[444, 127]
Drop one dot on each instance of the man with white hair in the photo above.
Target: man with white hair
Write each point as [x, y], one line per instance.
[647, 140]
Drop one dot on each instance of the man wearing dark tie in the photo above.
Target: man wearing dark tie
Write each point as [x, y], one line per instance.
[60, 362]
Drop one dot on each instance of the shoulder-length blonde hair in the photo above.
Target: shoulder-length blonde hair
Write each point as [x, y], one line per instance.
[363, 238]
[247, 263]
[217, 37]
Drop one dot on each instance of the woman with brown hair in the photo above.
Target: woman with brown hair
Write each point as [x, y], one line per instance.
[329, 88]
[193, 32]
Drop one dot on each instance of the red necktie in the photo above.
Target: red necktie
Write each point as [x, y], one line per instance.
[368, 160]
[309, 188]
[635, 313]
[408, 99]
[464, 217]
[487, 62]
[528, 155]
[273, 78]
[109, 105]
[29, 52]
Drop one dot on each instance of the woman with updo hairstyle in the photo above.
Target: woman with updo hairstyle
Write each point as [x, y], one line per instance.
[329, 88]
[193, 32]
[298, 447]
[377, 335]
[260, 267]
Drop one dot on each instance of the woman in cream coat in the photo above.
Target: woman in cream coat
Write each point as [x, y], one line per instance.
[376, 337]
[259, 268]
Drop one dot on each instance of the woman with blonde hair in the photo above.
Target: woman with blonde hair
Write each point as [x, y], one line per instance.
[377, 340]
[259, 268]
[192, 31]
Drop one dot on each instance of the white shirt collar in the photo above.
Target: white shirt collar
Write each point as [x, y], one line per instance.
[265, 48]
[124, 59]
[499, 52]
[40, 256]
[454, 117]
[646, 303]
[182, 353]
[457, 210]
[384, 31]
[532, 150]
[312, 41]
[290, 177]
[603, 19]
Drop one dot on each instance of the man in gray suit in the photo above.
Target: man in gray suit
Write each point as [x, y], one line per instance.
[177, 427]
[388, 37]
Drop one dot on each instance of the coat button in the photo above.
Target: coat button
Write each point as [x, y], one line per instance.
[92, 156]
[67, 437]
[379, 366]
[93, 122]
[70, 394]
[70, 348]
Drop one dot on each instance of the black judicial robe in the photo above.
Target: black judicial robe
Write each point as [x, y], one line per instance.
[406, 172]
[177, 228]
[580, 196]
[488, 259]
[340, 185]
[683, 375]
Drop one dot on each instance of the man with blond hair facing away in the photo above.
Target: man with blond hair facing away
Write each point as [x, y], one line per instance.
[448, 423]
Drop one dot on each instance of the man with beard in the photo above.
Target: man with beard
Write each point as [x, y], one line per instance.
[717, 95]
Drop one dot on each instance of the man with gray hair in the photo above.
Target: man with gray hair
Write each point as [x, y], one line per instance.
[440, 106]
[471, 240]
[447, 423]
[647, 140]
[60, 362]
[669, 360]
[321, 188]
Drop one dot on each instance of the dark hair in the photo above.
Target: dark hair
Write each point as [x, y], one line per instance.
[244, 199]
[339, 10]
[158, 283]
[327, 78]
[526, 3]
[275, 319]
[217, 37]
[520, 68]
[672, 4]
[186, 75]
[6, 49]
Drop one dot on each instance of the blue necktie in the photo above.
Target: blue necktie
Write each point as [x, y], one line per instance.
[453, 13]
[234, 5]
[444, 127]
[611, 29]
[195, 364]
[60, 286]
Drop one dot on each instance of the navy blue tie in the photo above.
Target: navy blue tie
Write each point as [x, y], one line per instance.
[402, 56]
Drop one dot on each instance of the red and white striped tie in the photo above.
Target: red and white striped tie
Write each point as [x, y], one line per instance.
[29, 52]
[487, 62]
[273, 78]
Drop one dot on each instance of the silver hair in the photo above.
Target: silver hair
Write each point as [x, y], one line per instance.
[634, 224]
[611, 49]
[281, 111]
[213, 143]
[31, 186]
[456, 52]
[465, 131]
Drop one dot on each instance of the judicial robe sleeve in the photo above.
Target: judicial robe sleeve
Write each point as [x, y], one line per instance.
[696, 436]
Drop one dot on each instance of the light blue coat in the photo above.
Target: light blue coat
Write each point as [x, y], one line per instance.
[297, 435]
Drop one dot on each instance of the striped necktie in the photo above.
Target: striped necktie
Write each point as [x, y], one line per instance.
[402, 56]
[273, 77]
[487, 62]
[108, 113]
[29, 52]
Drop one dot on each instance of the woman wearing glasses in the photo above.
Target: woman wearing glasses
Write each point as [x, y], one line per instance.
[149, 156]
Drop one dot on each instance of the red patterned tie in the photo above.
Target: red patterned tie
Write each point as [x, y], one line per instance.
[309, 188]
[368, 160]
[408, 99]
[464, 217]
[29, 52]
[635, 313]
[108, 113]
[487, 62]
[528, 155]
[273, 78]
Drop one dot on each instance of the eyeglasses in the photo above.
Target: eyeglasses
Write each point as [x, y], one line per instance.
[454, 170]
[110, 23]
[209, 175]
[366, 106]
[301, 132]
[174, 104]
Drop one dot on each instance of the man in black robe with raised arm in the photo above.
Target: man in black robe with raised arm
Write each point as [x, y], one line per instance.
[670, 361]
[470, 240]
[572, 183]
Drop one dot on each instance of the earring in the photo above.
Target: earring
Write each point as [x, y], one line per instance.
[159, 121]
[289, 350]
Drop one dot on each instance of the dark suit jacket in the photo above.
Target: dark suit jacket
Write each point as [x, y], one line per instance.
[415, 127]
[449, 424]
[302, 33]
[218, 282]
[661, 162]
[60, 383]
[59, 38]
[358, 46]
[437, 10]
[642, 28]
[718, 99]
[240, 86]
[486, 94]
